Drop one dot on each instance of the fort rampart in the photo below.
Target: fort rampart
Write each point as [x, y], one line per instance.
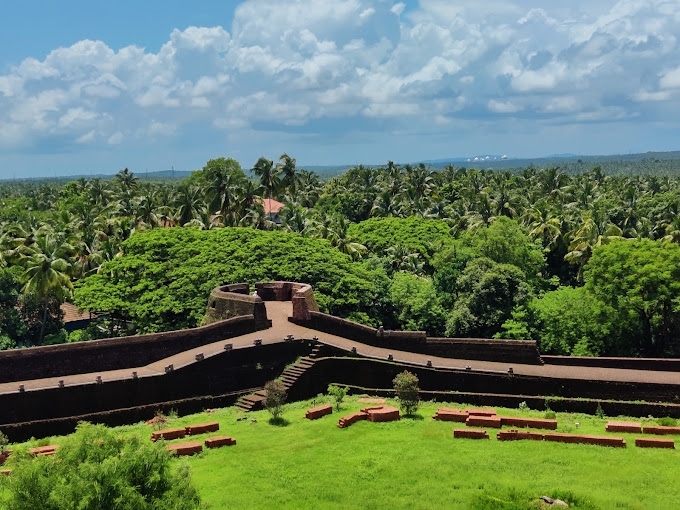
[219, 378]
[114, 353]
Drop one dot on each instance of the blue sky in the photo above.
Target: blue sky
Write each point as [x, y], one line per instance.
[91, 87]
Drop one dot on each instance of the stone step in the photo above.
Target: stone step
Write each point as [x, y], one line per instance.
[295, 370]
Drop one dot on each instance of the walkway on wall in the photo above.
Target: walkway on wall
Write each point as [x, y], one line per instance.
[279, 312]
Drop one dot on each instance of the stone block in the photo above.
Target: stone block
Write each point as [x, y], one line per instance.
[449, 414]
[217, 442]
[181, 449]
[168, 434]
[317, 412]
[202, 428]
[649, 442]
[624, 426]
[531, 423]
[484, 421]
[660, 431]
[480, 412]
[470, 434]
[44, 450]
[5, 472]
[350, 419]
[617, 442]
[383, 414]
[515, 435]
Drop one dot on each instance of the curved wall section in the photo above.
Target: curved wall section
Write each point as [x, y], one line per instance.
[301, 294]
[234, 301]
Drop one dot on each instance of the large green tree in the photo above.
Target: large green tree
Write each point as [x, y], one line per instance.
[163, 279]
[640, 281]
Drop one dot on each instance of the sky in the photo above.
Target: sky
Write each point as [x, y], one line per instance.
[92, 87]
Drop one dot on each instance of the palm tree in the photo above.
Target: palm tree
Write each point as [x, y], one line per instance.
[290, 179]
[46, 272]
[269, 176]
[189, 201]
[126, 180]
[588, 236]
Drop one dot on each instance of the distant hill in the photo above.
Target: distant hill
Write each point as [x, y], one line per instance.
[161, 175]
[655, 163]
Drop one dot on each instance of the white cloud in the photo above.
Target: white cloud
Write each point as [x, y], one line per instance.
[87, 137]
[115, 139]
[304, 63]
[398, 8]
[643, 95]
[670, 79]
[503, 107]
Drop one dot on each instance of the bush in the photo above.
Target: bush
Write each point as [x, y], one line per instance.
[549, 415]
[96, 468]
[3, 442]
[667, 422]
[406, 388]
[276, 397]
[338, 393]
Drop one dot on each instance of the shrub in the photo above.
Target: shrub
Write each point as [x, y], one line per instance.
[276, 397]
[667, 422]
[96, 468]
[406, 388]
[523, 406]
[160, 421]
[549, 415]
[3, 442]
[338, 393]
[599, 412]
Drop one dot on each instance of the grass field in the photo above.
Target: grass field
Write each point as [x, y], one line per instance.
[416, 463]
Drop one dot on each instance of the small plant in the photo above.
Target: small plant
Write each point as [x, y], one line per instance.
[3, 442]
[599, 412]
[550, 415]
[523, 407]
[338, 393]
[276, 397]
[667, 422]
[160, 421]
[406, 388]
[172, 414]
[548, 401]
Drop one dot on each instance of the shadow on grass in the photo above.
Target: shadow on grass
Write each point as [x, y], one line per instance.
[279, 421]
[414, 416]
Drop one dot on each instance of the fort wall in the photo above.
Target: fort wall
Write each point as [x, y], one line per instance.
[114, 353]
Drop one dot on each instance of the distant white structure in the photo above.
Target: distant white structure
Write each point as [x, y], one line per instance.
[476, 158]
[504, 156]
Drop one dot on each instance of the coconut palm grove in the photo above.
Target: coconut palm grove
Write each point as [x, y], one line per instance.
[584, 263]
[583, 260]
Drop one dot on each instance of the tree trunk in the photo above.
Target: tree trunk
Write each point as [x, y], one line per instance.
[42, 326]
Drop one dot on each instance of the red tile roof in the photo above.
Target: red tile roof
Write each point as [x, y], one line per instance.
[271, 206]
[73, 314]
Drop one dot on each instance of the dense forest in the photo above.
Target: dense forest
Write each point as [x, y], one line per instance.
[585, 263]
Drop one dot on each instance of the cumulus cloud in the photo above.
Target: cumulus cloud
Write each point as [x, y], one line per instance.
[305, 62]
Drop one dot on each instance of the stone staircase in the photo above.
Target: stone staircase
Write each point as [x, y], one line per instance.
[255, 401]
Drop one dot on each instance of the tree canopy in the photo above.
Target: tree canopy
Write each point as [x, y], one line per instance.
[163, 279]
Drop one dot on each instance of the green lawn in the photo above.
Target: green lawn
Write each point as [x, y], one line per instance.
[416, 463]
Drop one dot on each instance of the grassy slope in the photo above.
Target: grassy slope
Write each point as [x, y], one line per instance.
[415, 464]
